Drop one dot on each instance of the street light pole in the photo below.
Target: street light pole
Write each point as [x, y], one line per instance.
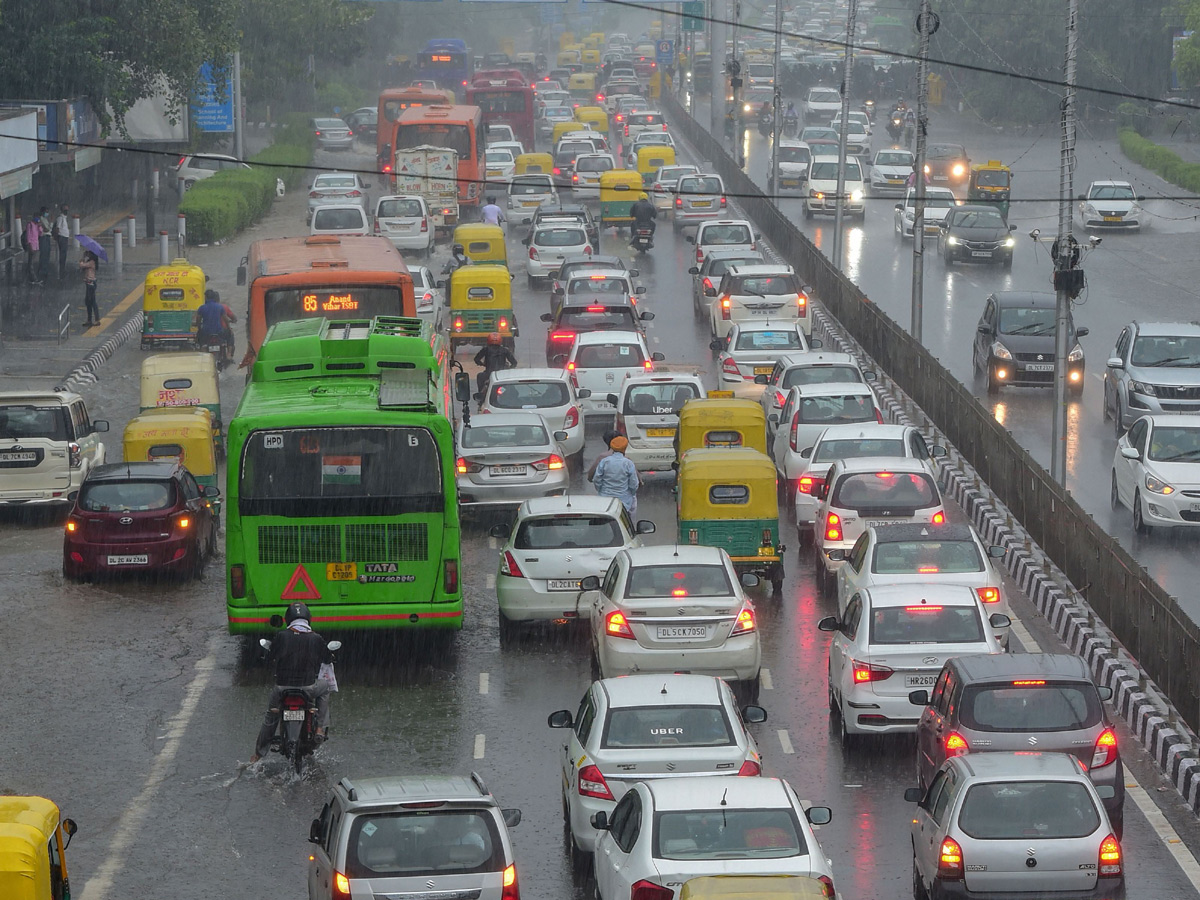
[847, 71]
[777, 99]
[716, 55]
[927, 24]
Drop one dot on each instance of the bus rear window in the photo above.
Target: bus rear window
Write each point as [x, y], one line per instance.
[308, 472]
[336, 301]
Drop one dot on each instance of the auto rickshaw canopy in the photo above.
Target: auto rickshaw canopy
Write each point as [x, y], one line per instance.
[652, 158]
[534, 164]
[734, 483]
[721, 423]
[27, 825]
[482, 243]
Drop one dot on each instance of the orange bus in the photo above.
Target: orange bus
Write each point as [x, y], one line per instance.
[460, 127]
[322, 276]
[392, 102]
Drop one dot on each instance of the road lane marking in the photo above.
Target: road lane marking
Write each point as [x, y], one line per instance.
[483, 682]
[100, 885]
[785, 742]
[764, 679]
[1166, 832]
[1027, 640]
[491, 580]
[479, 742]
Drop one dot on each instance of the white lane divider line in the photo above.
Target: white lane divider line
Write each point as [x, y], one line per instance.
[764, 679]
[483, 682]
[491, 580]
[100, 884]
[479, 741]
[785, 742]
[1166, 832]
[1027, 640]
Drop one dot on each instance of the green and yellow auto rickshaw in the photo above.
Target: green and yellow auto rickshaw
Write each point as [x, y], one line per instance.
[33, 861]
[727, 498]
[182, 434]
[650, 159]
[482, 243]
[619, 190]
[991, 182]
[481, 303]
[171, 295]
[718, 422]
[174, 380]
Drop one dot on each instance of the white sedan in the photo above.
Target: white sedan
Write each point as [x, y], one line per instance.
[663, 609]
[1111, 204]
[501, 166]
[753, 348]
[666, 831]
[893, 639]
[506, 458]
[1156, 472]
[647, 726]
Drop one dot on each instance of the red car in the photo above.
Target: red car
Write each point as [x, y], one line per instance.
[140, 517]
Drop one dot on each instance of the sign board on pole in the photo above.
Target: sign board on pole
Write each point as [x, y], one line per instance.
[664, 52]
[693, 15]
[212, 110]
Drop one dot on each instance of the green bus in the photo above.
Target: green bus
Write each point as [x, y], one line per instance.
[340, 486]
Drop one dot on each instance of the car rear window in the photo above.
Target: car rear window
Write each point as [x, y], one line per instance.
[885, 490]
[524, 186]
[335, 181]
[609, 356]
[593, 164]
[325, 217]
[856, 448]
[483, 436]
[529, 395]
[700, 185]
[1025, 810]
[126, 496]
[822, 375]
[666, 726]
[769, 340]
[48, 422]
[762, 285]
[598, 284]
[456, 842]
[728, 834]
[658, 399]
[597, 318]
[837, 410]
[561, 532]
[926, 624]
[559, 237]
[1031, 704]
[678, 581]
[399, 208]
[645, 119]
[725, 234]
[926, 558]
[793, 154]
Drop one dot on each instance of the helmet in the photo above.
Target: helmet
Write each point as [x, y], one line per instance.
[297, 611]
[457, 248]
[494, 338]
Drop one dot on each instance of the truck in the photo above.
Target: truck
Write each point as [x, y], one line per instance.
[432, 173]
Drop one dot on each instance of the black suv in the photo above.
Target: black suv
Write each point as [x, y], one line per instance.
[566, 212]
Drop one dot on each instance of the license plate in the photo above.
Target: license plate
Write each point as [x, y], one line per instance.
[895, 181]
[790, 182]
[763, 370]
[761, 312]
[531, 202]
[293, 715]
[19, 456]
[509, 470]
[660, 432]
[562, 584]
[701, 204]
[681, 632]
[140, 559]
[1112, 218]
[920, 680]
[1040, 367]
[341, 571]
[983, 253]
[941, 177]
[880, 523]
[492, 173]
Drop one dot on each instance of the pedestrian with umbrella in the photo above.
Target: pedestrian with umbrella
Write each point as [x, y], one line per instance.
[92, 254]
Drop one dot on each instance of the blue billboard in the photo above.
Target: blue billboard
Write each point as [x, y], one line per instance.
[212, 107]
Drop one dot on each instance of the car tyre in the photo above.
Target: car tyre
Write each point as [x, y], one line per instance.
[808, 213]
[1114, 499]
[1139, 523]
[748, 690]
[1117, 416]
[919, 892]
[1117, 821]
[993, 385]
[510, 631]
[824, 582]
[594, 665]
[849, 741]
[532, 282]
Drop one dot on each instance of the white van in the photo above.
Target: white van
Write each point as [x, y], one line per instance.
[342, 218]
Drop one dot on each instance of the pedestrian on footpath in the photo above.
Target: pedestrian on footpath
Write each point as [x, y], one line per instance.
[88, 266]
[32, 235]
[617, 476]
[62, 236]
[44, 244]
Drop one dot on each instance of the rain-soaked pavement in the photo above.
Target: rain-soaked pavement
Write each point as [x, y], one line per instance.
[131, 706]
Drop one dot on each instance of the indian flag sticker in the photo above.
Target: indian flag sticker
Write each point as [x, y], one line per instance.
[341, 469]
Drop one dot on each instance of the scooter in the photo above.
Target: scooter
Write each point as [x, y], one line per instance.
[895, 126]
[869, 108]
[643, 239]
[766, 125]
[296, 738]
[218, 347]
[791, 126]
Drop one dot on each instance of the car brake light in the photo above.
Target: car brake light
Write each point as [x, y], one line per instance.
[318, 134]
[314, 194]
[922, 609]
[950, 860]
[729, 367]
[725, 313]
[988, 594]
[708, 285]
[376, 227]
[722, 203]
[780, 399]
[533, 254]
[354, 194]
[1105, 752]
[557, 170]
[750, 768]
[956, 744]
[939, 518]
[511, 891]
[616, 626]
[182, 160]
[387, 168]
[802, 305]
[587, 251]
[699, 256]
[424, 225]
[648, 365]
[571, 420]
[575, 177]
[464, 467]
[571, 367]
[745, 622]
[809, 485]
[341, 887]
[878, 416]
[553, 461]
[592, 784]
[865, 672]
[795, 432]
[648, 890]
[827, 890]
[509, 566]
[1110, 857]
[659, 189]
[833, 526]
[72, 525]
[679, 201]
[562, 335]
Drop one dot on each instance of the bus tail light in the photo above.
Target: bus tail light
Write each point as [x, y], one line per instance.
[988, 594]
[509, 566]
[616, 626]
[956, 745]
[833, 532]
[745, 622]
[1105, 752]
[450, 576]
[750, 768]
[1110, 857]
[237, 581]
[592, 784]
[950, 860]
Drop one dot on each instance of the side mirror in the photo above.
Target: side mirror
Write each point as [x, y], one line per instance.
[999, 620]
[634, 273]
[984, 329]
[560, 719]
[912, 795]
[749, 580]
[462, 387]
[525, 241]
[694, 270]
[1105, 692]
[1105, 791]
[644, 526]
[1131, 453]
[1082, 332]
[900, 207]
[761, 379]
[547, 317]
[816, 344]
[918, 698]
[1115, 363]
[314, 832]
[823, 491]
[211, 491]
[806, 453]
[512, 817]
[1082, 197]
[710, 292]
[368, 184]
[583, 393]
[241, 275]
[558, 289]
[499, 531]
[334, 646]
[937, 451]
[69, 827]
[590, 583]
[773, 418]
[658, 357]
[837, 554]
[100, 425]
[646, 316]
[829, 623]
[561, 435]
[691, 239]
[639, 290]
[600, 821]
[869, 376]
[1012, 227]
[612, 400]
[276, 621]
[819, 815]
[754, 715]
[716, 345]
[996, 551]
[441, 283]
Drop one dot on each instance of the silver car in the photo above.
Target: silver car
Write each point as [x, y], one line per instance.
[1154, 368]
[336, 189]
[550, 393]
[1011, 825]
[751, 349]
[332, 134]
[506, 458]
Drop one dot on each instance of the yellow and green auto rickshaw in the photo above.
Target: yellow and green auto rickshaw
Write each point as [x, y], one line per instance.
[762, 887]
[482, 243]
[728, 499]
[566, 39]
[619, 190]
[595, 117]
[594, 41]
[481, 303]
[582, 88]
[182, 434]
[170, 297]
[534, 164]
[173, 380]
[652, 158]
[721, 422]
[590, 58]
[566, 56]
[33, 850]
[991, 182]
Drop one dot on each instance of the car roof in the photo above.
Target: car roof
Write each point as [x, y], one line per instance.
[681, 553]
[833, 159]
[399, 197]
[1023, 764]
[537, 373]
[889, 595]
[1187, 421]
[608, 337]
[766, 325]
[1034, 299]
[1167, 329]
[1110, 183]
[577, 504]
[595, 261]
[661, 690]
[711, 222]
[907, 531]
[717, 253]
[129, 470]
[706, 792]
[761, 269]
[865, 430]
[507, 417]
[792, 142]
[886, 463]
[391, 789]
[13, 397]
[1022, 665]
[817, 358]
[833, 389]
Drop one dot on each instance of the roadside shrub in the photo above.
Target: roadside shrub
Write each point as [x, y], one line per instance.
[1135, 116]
[1163, 162]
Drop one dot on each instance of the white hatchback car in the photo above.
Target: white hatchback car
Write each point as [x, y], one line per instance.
[823, 185]
[757, 293]
[666, 831]
[811, 408]
[938, 203]
[723, 234]
[549, 244]
[601, 360]
[890, 170]
[203, 165]
[404, 220]
[643, 120]
[751, 349]
[1156, 472]
[893, 639]
[342, 218]
[427, 294]
[554, 543]
[648, 415]
[639, 727]
[698, 198]
[799, 369]
[1111, 204]
[663, 609]
[548, 392]
[662, 188]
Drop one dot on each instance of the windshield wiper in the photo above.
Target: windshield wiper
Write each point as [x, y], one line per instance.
[1171, 361]
[1032, 328]
[1187, 454]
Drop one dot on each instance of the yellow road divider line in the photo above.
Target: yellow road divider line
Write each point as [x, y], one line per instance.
[117, 311]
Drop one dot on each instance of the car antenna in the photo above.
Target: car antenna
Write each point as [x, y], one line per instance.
[664, 688]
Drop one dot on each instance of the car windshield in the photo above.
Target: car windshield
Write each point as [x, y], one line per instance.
[609, 356]
[444, 842]
[818, 131]
[978, 218]
[700, 185]
[926, 624]
[640, 727]
[559, 237]
[1174, 443]
[768, 340]
[824, 97]
[894, 158]
[1031, 704]
[678, 581]
[724, 234]
[877, 490]
[793, 154]
[1026, 810]
[1183, 352]
[526, 186]
[596, 318]
[997, 178]
[334, 181]
[49, 422]
[856, 448]
[126, 496]
[568, 532]
[836, 374]
[1108, 192]
[933, 201]
[528, 395]
[1030, 320]
[401, 208]
[329, 123]
[828, 171]
[480, 437]
[728, 834]
[946, 151]
[926, 558]
[669, 175]
[658, 399]
[762, 285]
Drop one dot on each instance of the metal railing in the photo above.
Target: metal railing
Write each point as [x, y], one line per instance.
[64, 322]
[1147, 620]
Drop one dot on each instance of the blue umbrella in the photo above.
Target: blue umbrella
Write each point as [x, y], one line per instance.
[88, 243]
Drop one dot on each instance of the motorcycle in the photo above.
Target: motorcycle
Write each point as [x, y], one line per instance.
[869, 108]
[643, 238]
[791, 126]
[296, 737]
[895, 126]
[766, 125]
[217, 345]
